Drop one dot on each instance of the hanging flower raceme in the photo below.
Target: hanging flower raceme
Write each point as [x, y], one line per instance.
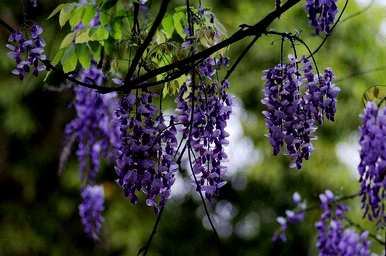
[292, 217]
[206, 135]
[372, 167]
[333, 238]
[321, 14]
[94, 127]
[296, 101]
[90, 210]
[27, 52]
[146, 150]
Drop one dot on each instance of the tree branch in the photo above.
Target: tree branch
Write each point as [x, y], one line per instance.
[145, 249]
[148, 39]
[256, 30]
[333, 27]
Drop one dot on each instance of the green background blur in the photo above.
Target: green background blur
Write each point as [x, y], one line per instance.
[38, 208]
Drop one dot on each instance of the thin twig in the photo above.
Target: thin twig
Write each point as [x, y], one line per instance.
[198, 188]
[148, 243]
[240, 58]
[332, 28]
[257, 30]
[148, 39]
[364, 72]
[365, 9]
[359, 227]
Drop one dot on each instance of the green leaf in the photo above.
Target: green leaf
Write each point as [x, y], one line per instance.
[84, 55]
[56, 10]
[58, 56]
[69, 59]
[65, 14]
[117, 30]
[100, 34]
[108, 4]
[168, 25]
[104, 18]
[375, 93]
[76, 16]
[67, 41]
[178, 20]
[89, 13]
[82, 37]
[95, 50]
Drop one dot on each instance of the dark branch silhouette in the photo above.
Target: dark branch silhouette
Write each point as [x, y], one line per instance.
[256, 30]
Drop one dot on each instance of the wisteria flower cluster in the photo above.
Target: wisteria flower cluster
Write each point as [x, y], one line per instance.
[292, 217]
[372, 167]
[321, 14]
[94, 127]
[27, 52]
[146, 150]
[333, 238]
[296, 101]
[205, 127]
[90, 210]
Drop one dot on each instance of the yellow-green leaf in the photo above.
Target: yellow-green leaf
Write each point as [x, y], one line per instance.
[84, 55]
[89, 13]
[100, 34]
[69, 59]
[76, 16]
[82, 37]
[178, 21]
[58, 56]
[67, 41]
[117, 30]
[168, 25]
[65, 14]
[375, 93]
[56, 10]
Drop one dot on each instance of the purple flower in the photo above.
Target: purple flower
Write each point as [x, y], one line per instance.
[333, 238]
[321, 14]
[95, 21]
[145, 161]
[292, 217]
[27, 53]
[78, 27]
[90, 210]
[94, 127]
[206, 135]
[296, 101]
[372, 167]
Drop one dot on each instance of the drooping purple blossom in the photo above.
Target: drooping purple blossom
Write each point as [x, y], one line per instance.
[27, 52]
[78, 27]
[321, 14]
[95, 21]
[206, 133]
[94, 127]
[296, 101]
[372, 167]
[333, 238]
[293, 216]
[147, 147]
[90, 210]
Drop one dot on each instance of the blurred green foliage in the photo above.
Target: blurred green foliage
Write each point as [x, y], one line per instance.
[38, 208]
